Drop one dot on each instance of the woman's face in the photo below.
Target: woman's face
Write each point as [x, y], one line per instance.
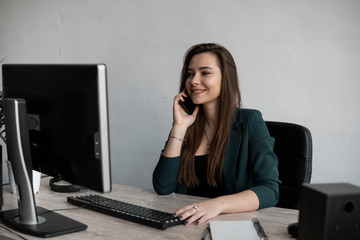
[203, 81]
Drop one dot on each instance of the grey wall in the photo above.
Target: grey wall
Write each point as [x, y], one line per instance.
[298, 61]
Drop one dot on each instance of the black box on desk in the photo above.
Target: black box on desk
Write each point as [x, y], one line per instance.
[329, 212]
[1, 179]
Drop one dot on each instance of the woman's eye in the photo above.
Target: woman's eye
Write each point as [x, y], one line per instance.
[206, 73]
[189, 75]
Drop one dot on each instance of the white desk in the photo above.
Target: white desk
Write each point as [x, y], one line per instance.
[100, 226]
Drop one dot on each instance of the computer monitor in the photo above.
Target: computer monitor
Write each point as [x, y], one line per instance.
[56, 122]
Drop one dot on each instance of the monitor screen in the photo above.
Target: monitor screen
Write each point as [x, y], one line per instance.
[68, 119]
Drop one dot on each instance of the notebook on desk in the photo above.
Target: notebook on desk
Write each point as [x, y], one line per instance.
[239, 230]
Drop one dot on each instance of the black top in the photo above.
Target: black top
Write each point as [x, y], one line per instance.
[204, 190]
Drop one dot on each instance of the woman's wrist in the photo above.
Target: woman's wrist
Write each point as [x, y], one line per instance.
[175, 141]
[178, 132]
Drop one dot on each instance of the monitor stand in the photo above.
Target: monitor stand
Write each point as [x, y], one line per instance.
[28, 218]
[49, 223]
[67, 188]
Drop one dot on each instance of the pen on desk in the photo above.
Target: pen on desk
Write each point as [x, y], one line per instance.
[206, 232]
[260, 231]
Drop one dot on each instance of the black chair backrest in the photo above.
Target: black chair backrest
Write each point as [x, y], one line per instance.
[293, 147]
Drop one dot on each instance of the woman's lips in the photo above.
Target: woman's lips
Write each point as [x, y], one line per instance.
[197, 91]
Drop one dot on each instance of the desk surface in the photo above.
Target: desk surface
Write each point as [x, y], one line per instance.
[100, 226]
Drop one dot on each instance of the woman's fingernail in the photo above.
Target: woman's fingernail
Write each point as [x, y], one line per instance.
[186, 222]
[180, 217]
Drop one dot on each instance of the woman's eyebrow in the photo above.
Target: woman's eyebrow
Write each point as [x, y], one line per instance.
[201, 68]
[206, 68]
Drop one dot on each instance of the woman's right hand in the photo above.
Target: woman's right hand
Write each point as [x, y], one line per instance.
[181, 118]
[182, 121]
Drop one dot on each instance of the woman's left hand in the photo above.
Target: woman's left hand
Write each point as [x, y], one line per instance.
[200, 212]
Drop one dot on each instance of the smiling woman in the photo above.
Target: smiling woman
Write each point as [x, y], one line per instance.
[219, 151]
[204, 79]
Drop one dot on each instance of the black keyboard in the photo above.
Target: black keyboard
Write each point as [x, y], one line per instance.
[127, 211]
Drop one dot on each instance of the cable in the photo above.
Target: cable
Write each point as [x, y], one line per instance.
[61, 209]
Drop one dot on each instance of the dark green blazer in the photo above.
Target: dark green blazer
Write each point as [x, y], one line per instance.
[249, 163]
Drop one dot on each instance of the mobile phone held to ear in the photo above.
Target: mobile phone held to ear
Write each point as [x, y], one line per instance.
[188, 104]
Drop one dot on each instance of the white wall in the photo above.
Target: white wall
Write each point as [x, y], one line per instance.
[298, 61]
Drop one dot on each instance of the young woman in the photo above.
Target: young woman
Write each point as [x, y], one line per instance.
[219, 151]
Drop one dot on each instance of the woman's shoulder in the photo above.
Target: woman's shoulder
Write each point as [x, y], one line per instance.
[246, 114]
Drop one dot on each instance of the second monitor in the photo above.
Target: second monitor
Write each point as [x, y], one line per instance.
[56, 121]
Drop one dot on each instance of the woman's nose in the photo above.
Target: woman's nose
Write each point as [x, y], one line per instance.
[195, 80]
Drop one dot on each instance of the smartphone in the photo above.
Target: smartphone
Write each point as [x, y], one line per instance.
[188, 104]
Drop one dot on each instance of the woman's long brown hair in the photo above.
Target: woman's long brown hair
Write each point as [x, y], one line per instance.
[229, 98]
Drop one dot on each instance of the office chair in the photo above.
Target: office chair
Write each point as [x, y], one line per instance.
[293, 147]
